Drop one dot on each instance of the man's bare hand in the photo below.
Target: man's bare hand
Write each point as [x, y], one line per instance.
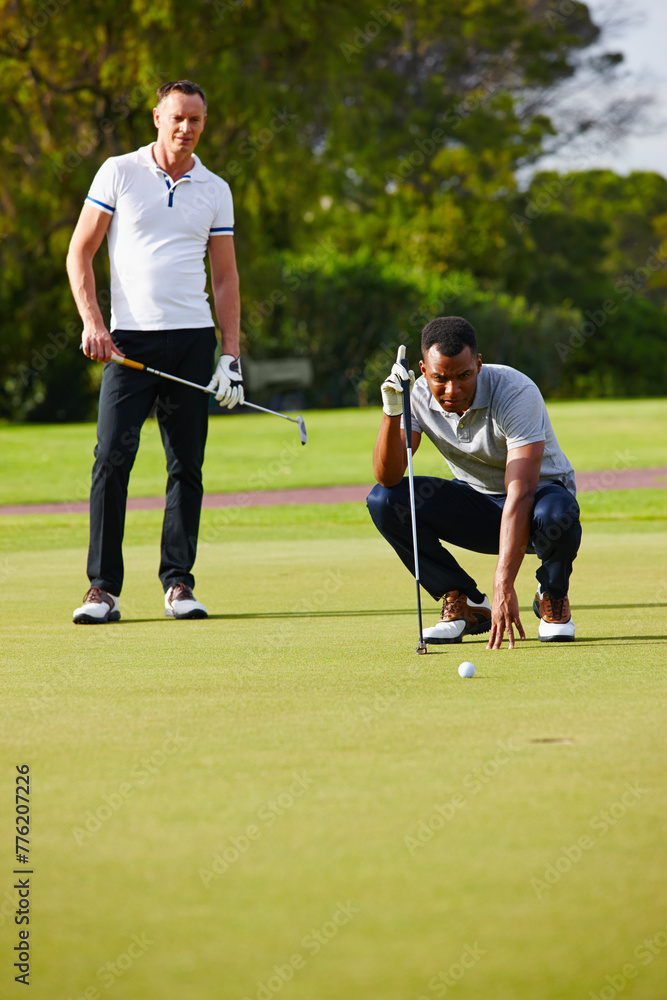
[504, 617]
[97, 344]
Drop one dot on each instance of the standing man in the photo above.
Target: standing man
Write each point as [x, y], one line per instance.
[514, 489]
[161, 210]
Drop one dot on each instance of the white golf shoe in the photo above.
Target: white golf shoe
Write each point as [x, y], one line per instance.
[460, 616]
[98, 608]
[180, 602]
[556, 623]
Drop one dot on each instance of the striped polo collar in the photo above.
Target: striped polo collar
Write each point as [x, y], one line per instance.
[196, 173]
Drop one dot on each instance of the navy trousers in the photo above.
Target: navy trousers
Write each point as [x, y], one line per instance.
[456, 513]
[127, 397]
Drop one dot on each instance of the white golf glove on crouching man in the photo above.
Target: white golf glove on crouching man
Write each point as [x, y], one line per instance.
[227, 381]
[391, 388]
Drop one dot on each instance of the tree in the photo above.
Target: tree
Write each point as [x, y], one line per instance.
[399, 127]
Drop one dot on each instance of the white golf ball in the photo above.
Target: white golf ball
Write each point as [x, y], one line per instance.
[467, 669]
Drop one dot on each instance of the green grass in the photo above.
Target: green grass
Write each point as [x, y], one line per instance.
[296, 738]
[209, 796]
[250, 452]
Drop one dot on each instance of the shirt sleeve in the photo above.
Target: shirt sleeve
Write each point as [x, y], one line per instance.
[104, 189]
[223, 223]
[523, 420]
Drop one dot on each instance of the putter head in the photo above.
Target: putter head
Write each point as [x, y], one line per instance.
[422, 647]
[302, 430]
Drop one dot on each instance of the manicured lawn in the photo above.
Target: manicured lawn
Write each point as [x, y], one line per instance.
[255, 451]
[285, 801]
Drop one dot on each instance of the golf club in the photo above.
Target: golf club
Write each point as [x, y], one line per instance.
[137, 364]
[407, 425]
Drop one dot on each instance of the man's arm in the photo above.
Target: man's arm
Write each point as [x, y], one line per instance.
[86, 241]
[225, 284]
[522, 473]
[390, 457]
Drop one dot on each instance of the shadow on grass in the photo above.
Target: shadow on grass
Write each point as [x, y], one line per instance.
[311, 614]
[618, 638]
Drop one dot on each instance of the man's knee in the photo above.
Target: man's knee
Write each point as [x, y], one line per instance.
[386, 504]
[556, 520]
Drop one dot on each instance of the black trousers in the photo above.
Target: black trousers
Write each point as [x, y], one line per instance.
[127, 397]
[455, 512]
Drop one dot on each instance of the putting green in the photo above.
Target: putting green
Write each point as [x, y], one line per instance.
[285, 801]
[255, 451]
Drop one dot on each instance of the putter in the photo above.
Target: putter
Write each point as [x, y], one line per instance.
[144, 368]
[407, 425]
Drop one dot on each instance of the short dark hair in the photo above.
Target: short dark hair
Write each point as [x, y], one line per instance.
[450, 334]
[181, 87]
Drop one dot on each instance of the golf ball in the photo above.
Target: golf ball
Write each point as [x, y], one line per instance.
[467, 669]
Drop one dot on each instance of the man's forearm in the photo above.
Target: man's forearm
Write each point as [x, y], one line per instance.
[389, 456]
[228, 311]
[82, 282]
[514, 537]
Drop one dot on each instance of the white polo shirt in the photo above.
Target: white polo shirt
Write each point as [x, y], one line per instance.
[157, 239]
[507, 412]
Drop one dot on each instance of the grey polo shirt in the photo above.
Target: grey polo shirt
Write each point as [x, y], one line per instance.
[507, 412]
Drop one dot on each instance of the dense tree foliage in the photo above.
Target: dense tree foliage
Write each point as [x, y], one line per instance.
[373, 152]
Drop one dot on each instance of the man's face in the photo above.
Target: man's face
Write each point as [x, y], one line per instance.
[179, 121]
[452, 381]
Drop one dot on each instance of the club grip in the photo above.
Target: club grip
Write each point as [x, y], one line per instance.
[407, 416]
[126, 361]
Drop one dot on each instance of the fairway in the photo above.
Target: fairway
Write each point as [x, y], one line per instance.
[285, 801]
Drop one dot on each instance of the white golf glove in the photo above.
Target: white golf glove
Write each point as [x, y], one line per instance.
[227, 381]
[392, 390]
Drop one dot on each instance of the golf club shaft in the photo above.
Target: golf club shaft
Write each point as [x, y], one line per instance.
[407, 424]
[194, 385]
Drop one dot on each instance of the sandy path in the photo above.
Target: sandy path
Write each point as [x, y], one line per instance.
[621, 479]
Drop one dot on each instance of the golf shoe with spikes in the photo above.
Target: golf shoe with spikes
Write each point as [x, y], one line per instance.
[556, 623]
[98, 608]
[460, 616]
[180, 602]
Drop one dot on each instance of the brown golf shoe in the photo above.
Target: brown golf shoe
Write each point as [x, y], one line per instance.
[460, 616]
[556, 623]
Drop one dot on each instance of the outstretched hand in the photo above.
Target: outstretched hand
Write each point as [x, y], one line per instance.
[504, 617]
